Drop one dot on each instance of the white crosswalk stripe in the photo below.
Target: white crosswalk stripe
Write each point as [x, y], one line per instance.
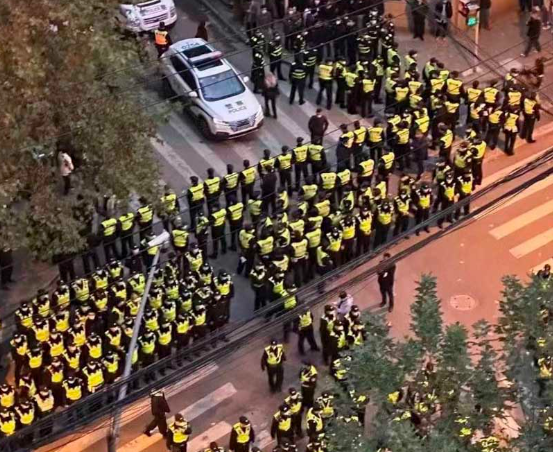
[532, 244]
[190, 413]
[537, 268]
[173, 159]
[523, 220]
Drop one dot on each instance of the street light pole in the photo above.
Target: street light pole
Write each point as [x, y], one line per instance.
[113, 436]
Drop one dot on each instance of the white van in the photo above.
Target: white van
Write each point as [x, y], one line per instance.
[214, 94]
[142, 16]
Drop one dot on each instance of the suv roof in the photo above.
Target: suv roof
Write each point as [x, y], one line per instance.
[192, 50]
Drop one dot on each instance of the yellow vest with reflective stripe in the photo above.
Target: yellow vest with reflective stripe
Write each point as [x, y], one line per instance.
[360, 135]
[388, 160]
[473, 94]
[242, 433]
[454, 86]
[314, 238]
[219, 217]
[213, 185]
[329, 180]
[274, 357]
[306, 320]
[109, 226]
[529, 105]
[145, 214]
[284, 161]
[180, 238]
[300, 153]
[325, 72]
[197, 192]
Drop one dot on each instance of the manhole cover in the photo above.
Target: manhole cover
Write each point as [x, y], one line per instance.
[463, 302]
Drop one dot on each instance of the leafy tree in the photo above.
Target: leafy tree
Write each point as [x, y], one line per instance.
[69, 82]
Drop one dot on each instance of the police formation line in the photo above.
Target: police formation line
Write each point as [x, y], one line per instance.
[73, 342]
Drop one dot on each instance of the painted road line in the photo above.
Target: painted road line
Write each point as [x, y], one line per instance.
[190, 413]
[533, 244]
[502, 173]
[539, 267]
[138, 410]
[173, 159]
[214, 433]
[201, 149]
[538, 186]
[264, 439]
[522, 220]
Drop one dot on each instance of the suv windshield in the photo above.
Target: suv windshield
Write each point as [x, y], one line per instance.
[220, 86]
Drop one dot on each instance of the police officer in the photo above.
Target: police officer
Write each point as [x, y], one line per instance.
[299, 160]
[531, 113]
[447, 190]
[258, 70]
[144, 217]
[464, 188]
[246, 239]
[159, 408]
[242, 435]
[218, 222]
[272, 360]
[423, 201]
[297, 76]
[402, 203]
[162, 39]
[281, 427]
[125, 228]
[196, 199]
[315, 422]
[178, 434]
[384, 220]
[309, 57]
[325, 83]
[284, 167]
[306, 331]
[275, 56]
[326, 326]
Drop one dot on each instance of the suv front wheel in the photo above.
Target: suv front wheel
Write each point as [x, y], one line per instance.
[203, 126]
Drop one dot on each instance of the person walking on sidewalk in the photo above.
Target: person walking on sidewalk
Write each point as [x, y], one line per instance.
[443, 13]
[485, 7]
[386, 279]
[159, 407]
[533, 34]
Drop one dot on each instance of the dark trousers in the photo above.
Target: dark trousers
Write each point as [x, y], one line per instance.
[110, 249]
[275, 67]
[441, 29]
[247, 191]
[310, 71]
[387, 293]
[299, 169]
[308, 394]
[66, 184]
[275, 376]
[477, 172]
[421, 216]
[402, 224]
[444, 204]
[366, 105]
[218, 235]
[270, 102]
[341, 93]
[527, 131]
[381, 236]
[67, 270]
[158, 421]
[299, 268]
[510, 140]
[6, 274]
[532, 42]
[307, 334]
[492, 135]
[363, 243]
[269, 202]
[296, 425]
[325, 345]
[127, 242]
[235, 227]
[418, 26]
[325, 86]
[299, 86]
[87, 256]
[466, 207]
[260, 298]
[195, 209]
[286, 179]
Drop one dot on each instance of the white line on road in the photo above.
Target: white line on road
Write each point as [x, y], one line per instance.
[139, 409]
[190, 413]
[533, 244]
[522, 220]
[214, 433]
[264, 439]
[538, 186]
[173, 159]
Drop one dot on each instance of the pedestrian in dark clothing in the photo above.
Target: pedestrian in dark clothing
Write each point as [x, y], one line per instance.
[419, 150]
[386, 278]
[268, 190]
[318, 124]
[533, 34]
[525, 5]
[65, 266]
[159, 408]
[270, 93]
[419, 11]
[6, 266]
[485, 7]
[201, 32]
[443, 13]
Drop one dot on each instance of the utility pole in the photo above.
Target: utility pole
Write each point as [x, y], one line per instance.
[113, 436]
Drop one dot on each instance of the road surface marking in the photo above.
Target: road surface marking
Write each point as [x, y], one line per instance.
[190, 413]
[214, 433]
[502, 173]
[533, 244]
[264, 439]
[292, 126]
[522, 220]
[139, 409]
[173, 159]
[201, 149]
[538, 186]
[539, 267]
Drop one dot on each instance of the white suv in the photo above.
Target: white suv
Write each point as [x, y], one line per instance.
[213, 92]
[142, 16]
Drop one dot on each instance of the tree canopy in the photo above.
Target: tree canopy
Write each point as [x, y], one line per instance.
[69, 82]
[448, 388]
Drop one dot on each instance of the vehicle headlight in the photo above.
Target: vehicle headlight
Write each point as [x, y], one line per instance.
[173, 11]
[132, 18]
[219, 122]
[259, 114]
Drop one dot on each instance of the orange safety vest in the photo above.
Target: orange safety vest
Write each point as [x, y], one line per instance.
[161, 38]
